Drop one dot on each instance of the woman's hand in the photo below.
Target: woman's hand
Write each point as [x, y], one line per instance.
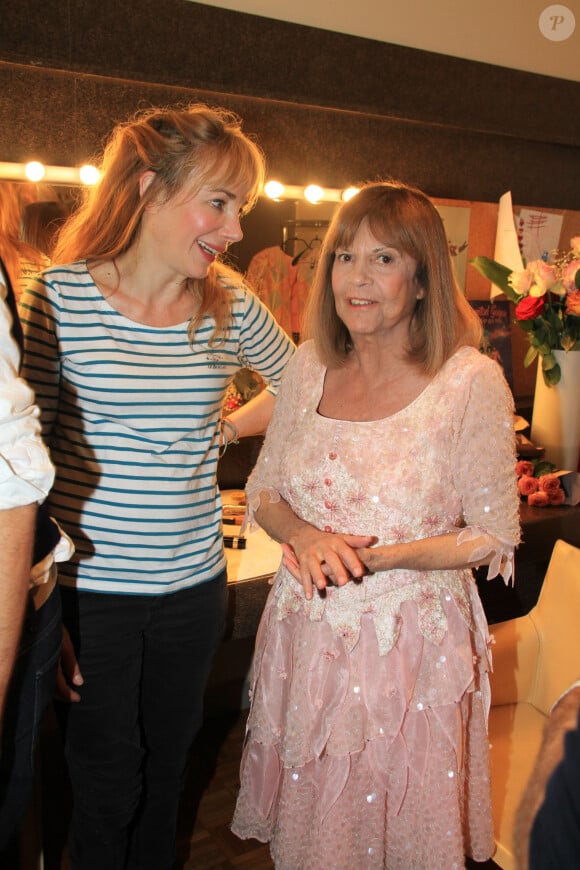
[317, 559]
[69, 673]
[377, 558]
[439, 553]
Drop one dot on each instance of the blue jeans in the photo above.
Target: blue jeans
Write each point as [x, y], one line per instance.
[145, 662]
[30, 693]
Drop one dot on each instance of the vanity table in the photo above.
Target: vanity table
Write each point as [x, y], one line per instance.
[250, 571]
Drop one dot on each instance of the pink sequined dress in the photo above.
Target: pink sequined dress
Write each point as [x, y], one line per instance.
[366, 743]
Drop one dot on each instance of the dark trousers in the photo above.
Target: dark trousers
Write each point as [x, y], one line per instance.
[30, 693]
[145, 662]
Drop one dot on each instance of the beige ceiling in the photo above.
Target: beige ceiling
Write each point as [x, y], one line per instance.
[502, 32]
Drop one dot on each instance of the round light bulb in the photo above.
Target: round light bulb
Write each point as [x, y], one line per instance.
[89, 174]
[349, 193]
[34, 170]
[274, 189]
[313, 193]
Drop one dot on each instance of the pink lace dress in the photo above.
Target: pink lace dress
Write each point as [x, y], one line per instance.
[366, 743]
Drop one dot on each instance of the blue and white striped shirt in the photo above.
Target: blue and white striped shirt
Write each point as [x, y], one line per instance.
[131, 414]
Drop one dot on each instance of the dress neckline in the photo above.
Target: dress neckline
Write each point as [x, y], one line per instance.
[426, 389]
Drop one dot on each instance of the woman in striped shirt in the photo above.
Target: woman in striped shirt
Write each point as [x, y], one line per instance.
[130, 349]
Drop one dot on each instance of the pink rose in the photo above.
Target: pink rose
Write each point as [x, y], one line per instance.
[573, 303]
[528, 485]
[569, 276]
[545, 276]
[521, 281]
[524, 467]
[558, 497]
[539, 499]
[530, 307]
[549, 482]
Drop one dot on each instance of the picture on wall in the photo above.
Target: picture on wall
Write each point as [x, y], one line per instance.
[496, 341]
[456, 222]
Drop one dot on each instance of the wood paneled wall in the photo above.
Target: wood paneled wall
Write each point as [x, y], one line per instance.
[324, 106]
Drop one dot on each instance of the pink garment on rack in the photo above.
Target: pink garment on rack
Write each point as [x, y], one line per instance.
[282, 287]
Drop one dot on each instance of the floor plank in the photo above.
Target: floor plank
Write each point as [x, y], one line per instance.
[209, 799]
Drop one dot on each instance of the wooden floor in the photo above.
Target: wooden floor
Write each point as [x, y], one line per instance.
[209, 801]
[205, 841]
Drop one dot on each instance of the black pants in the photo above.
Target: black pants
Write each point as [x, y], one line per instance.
[30, 693]
[145, 662]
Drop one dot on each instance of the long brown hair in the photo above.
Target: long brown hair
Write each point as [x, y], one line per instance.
[185, 148]
[405, 218]
[13, 249]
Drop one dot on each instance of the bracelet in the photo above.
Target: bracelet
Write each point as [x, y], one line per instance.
[232, 429]
[230, 434]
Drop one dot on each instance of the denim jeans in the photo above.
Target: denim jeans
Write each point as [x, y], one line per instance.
[145, 662]
[30, 693]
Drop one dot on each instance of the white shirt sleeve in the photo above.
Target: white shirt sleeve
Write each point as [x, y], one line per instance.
[26, 472]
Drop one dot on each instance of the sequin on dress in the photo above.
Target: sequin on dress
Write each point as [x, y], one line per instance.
[366, 744]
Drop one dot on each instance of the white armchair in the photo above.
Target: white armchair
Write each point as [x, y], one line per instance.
[535, 658]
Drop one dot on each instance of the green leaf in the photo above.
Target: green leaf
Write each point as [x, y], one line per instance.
[549, 361]
[567, 341]
[542, 466]
[545, 350]
[497, 274]
[526, 325]
[530, 356]
[541, 329]
[552, 376]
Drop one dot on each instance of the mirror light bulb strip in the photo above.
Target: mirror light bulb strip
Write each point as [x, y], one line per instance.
[36, 171]
[313, 192]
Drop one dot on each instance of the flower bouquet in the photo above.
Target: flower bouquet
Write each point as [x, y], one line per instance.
[538, 484]
[547, 303]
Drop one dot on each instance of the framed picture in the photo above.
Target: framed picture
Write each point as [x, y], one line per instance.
[497, 338]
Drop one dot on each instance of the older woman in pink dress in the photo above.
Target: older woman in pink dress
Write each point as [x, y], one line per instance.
[387, 474]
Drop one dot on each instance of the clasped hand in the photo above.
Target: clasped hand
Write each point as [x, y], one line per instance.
[317, 559]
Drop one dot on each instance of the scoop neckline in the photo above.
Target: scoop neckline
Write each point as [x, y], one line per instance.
[426, 388]
[105, 301]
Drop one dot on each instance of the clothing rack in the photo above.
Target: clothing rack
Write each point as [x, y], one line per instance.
[291, 227]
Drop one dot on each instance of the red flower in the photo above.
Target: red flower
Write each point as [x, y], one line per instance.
[549, 483]
[528, 485]
[557, 497]
[530, 307]
[524, 467]
[573, 303]
[539, 499]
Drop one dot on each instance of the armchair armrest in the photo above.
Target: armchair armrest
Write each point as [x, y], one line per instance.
[515, 654]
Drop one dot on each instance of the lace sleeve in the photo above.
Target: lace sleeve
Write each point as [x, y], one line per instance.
[265, 477]
[485, 471]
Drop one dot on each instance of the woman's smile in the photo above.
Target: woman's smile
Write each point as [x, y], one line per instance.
[374, 286]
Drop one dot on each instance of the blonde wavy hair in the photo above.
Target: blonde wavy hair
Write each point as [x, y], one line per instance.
[13, 248]
[186, 147]
[406, 219]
